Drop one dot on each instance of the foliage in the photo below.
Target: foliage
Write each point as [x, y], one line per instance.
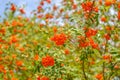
[86, 47]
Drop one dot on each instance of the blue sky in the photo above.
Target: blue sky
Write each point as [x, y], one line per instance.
[30, 5]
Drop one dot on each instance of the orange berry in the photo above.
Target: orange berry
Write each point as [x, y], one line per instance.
[116, 67]
[103, 19]
[66, 51]
[36, 57]
[19, 63]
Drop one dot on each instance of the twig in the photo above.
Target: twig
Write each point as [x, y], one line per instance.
[83, 68]
[104, 62]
